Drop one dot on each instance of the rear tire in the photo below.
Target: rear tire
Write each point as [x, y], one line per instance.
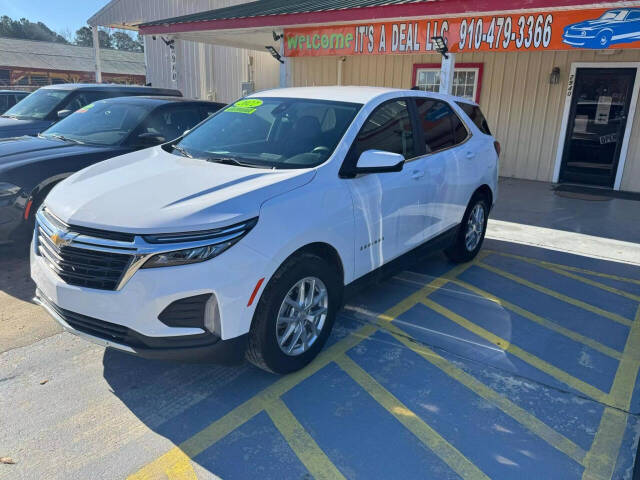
[470, 236]
[272, 346]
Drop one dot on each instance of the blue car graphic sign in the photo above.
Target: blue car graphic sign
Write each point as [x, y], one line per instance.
[620, 25]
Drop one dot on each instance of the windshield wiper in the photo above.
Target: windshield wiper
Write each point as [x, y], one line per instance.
[182, 151]
[63, 138]
[234, 161]
[9, 116]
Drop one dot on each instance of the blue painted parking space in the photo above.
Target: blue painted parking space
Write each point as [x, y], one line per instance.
[520, 364]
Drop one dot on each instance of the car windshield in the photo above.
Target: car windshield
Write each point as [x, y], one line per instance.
[614, 15]
[100, 123]
[37, 105]
[271, 132]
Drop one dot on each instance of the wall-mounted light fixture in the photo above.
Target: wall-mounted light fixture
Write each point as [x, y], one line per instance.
[440, 46]
[554, 77]
[274, 53]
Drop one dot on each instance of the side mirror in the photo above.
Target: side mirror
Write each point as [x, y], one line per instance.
[64, 113]
[150, 139]
[379, 161]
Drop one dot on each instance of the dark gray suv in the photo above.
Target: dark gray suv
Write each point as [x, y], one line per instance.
[47, 105]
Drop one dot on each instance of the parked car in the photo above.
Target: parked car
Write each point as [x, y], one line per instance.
[621, 25]
[8, 98]
[242, 236]
[31, 166]
[47, 105]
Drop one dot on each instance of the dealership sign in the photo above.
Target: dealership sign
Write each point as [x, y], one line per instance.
[545, 30]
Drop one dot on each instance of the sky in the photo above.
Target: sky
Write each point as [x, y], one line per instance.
[58, 15]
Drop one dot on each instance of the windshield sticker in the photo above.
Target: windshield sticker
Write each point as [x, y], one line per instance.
[247, 106]
[245, 110]
[249, 103]
[86, 108]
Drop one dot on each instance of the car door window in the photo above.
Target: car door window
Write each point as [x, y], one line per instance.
[82, 99]
[441, 126]
[4, 103]
[170, 123]
[389, 129]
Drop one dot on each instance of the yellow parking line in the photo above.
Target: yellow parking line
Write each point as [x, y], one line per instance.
[247, 410]
[427, 435]
[562, 271]
[206, 437]
[577, 337]
[528, 420]
[567, 267]
[529, 358]
[426, 290]
[578, 303]
[304, 446]
[601, 459]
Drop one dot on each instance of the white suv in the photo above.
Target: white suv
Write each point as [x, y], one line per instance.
[240, 237]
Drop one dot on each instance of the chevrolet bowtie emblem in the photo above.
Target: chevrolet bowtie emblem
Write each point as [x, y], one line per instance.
[60, 240]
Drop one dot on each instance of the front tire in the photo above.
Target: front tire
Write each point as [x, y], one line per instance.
[295, 314]
[470, 236]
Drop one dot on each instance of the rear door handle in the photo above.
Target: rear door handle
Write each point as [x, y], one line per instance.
[470, 154]
[417, 174]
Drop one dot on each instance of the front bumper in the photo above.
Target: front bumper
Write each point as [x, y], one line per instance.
[11, 220]
[578, 40]
[206, 347]
[135, 309]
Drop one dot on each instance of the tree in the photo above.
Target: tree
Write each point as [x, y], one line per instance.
[26, 30]
[124, 41]
[84, 38]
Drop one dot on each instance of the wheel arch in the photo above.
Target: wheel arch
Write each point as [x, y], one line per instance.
[486, 191]
[324, 251]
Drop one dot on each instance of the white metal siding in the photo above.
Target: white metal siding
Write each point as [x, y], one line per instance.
[204, 71]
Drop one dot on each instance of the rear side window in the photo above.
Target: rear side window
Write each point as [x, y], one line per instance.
[476, 116]
[389, 129]
[442, 127]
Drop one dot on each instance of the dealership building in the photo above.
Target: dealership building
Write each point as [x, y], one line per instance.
[557, 79]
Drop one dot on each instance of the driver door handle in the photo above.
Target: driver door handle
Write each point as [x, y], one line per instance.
[470, 154]
[417, 174]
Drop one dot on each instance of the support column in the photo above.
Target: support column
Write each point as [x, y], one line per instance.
[446, 73]
[96, 53]
[285, 68]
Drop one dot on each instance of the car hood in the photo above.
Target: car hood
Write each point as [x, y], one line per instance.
[590, 24]
[12, 127]
[16, 152]
[152, 191]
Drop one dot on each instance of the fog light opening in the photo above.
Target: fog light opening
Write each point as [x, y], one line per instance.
[212, 315]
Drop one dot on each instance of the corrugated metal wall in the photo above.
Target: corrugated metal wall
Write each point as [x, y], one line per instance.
[523, 109]
[204, 71]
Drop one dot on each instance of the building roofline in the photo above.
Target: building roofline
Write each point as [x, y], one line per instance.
[229, 18]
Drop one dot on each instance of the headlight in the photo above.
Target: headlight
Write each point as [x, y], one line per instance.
[210, 243]
[8, 190]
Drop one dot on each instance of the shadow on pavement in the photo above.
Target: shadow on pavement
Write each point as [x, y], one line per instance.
[15, 279]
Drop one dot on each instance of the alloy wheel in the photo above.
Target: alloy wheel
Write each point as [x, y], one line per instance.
[475, 227]
[302, 316]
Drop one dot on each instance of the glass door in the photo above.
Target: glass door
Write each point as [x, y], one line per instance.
[597, 122]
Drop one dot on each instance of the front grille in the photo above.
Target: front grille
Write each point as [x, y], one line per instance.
[89, 325]
[83, 267]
